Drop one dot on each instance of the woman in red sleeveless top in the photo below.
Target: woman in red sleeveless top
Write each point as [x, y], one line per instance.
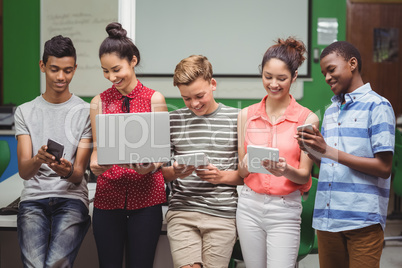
[269, 207]
[127, 207]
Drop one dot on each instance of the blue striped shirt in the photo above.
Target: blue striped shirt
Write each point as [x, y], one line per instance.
[346, 198]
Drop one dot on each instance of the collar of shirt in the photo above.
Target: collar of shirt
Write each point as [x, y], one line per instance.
[291, 114]
[353, 96]
[135, 92]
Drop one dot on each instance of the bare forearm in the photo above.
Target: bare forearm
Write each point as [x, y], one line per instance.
[299, 176]
[169, 174]
[232, 177]
[77, 176]
[316, 160]
[28, 168]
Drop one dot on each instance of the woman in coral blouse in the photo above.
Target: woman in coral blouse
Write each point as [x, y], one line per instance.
[269, 208]
[127, 208]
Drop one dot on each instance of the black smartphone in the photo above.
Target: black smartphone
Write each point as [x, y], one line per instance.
[55, 148]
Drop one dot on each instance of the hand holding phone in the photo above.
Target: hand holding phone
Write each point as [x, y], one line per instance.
[306, 128]
[55, 148]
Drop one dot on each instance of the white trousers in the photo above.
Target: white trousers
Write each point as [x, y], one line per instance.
[269, 228]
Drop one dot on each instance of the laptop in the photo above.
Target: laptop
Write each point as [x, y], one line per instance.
[133, 138]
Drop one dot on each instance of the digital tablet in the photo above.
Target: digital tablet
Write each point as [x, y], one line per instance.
[55, 148]
[256, 154]
[196, 159]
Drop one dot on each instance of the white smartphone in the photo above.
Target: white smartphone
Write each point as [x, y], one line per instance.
[196, 159]
[305, 127]
[256, 154]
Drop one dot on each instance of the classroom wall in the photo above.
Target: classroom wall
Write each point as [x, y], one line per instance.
[21, 50]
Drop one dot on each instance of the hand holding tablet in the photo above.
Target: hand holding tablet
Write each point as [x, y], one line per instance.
[256, 154]
[196, 159]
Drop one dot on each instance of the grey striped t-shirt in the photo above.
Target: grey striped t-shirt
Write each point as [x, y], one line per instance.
[215, 135]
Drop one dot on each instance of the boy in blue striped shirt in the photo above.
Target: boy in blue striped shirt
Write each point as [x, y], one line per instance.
[354, 153]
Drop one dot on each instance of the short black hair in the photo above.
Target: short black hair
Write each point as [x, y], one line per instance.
[345, 50]
[59, 47]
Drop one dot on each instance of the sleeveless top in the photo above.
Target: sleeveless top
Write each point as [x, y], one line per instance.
[122, 188]
[260, 131]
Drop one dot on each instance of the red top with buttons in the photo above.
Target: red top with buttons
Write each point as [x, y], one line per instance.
[122, 188]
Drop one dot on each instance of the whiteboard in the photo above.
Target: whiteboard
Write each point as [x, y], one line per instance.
[84, 21]
[158, 28]
[233, 34]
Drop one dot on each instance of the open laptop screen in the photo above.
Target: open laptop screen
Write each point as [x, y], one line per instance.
[133, 138]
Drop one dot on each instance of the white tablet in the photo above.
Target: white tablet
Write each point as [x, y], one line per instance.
[256, 154]
[196, 159]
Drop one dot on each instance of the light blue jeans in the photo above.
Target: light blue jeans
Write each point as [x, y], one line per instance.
[269, 228]
[51, 230]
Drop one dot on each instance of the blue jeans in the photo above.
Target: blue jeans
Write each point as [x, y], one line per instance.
[50, 231]
[134, 231]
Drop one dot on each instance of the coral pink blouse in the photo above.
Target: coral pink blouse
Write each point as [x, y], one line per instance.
[260, 131]
[122, 188]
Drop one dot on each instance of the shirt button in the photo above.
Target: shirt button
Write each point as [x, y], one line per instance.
[335, 144]
[332, 164]
[327, 204]
[329, 185]
[339, 124]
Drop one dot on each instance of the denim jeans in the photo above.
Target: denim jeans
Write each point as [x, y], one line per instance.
[134, 231]
[51, 230]
[269, 228]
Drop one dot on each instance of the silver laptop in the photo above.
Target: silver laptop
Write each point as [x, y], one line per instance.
[133, 138]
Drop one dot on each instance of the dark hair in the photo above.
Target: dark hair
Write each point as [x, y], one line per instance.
[290, 51]
[345, 50]
[59, 47]
[119, 43]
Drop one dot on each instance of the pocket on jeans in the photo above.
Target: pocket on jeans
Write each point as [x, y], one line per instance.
[291, 202]
[246, 191]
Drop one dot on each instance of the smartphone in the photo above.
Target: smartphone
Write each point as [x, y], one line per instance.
[55, 148]
[305, 127]
[197, 159]
[256, 154]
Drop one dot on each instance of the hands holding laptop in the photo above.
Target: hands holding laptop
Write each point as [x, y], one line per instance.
[96, 168]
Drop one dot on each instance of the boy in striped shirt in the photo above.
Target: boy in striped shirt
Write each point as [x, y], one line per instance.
[202, 207]
[355, 154]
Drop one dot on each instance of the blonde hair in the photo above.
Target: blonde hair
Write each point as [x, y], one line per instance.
[189, 69]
